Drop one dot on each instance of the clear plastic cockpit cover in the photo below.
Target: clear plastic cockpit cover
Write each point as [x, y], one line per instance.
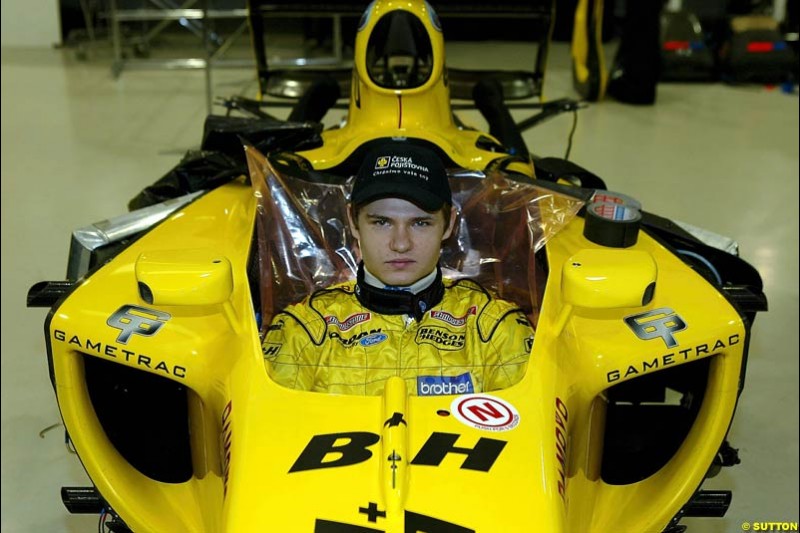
[304, 242]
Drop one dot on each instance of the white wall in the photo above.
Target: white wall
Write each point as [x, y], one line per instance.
[30, 23]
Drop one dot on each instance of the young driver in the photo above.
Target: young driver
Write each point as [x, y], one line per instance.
[399, 317]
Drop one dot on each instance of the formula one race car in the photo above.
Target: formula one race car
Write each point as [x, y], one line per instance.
[154, 342]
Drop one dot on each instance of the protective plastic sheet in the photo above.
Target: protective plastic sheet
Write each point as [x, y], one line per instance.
[304, 242]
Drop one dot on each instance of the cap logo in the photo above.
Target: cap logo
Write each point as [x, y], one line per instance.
[408, 172]
[403, 164]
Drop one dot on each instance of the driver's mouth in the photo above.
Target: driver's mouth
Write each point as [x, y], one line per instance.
[400, 262]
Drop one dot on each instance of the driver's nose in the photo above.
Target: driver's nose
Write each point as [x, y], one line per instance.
[400, 240]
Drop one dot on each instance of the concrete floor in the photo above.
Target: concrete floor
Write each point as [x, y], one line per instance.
[77, 145]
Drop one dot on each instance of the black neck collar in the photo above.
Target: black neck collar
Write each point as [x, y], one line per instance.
[388, 302]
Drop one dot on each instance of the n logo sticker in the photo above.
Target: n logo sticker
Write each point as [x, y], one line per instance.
[485, 412]
[137, 320]
[658, 323]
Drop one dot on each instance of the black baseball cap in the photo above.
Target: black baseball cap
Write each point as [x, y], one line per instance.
[400, 170]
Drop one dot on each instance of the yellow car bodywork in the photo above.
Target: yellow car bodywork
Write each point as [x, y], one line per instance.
[247, 433]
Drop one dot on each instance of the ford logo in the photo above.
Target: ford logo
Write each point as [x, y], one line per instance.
[375, 338]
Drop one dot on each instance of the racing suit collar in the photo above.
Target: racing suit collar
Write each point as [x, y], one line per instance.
[393, 302]
[415, 288]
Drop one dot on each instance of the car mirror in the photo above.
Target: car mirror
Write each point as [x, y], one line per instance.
[184, 277]
[608, 279]
[596, 278]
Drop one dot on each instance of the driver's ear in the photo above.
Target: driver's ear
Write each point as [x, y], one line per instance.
[452, 223]
[351, 220]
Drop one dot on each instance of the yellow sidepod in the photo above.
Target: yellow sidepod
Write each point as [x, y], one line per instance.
[193, 345]
[598, 348]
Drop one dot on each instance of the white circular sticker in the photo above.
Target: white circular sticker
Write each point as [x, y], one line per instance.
[485, 412]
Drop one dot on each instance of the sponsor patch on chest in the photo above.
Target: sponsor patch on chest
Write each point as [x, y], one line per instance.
[446, 317]
[442, 338]
[444, 385]
[373, 339]
[348, 322]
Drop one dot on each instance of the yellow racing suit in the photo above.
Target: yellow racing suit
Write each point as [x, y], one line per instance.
[467, 342]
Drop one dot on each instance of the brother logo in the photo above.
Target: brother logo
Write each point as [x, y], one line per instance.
[444, 385]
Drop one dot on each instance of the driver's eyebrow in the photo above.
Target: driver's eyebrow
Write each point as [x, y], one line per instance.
[376, 216]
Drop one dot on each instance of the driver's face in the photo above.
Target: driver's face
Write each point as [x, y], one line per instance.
[400, 242]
